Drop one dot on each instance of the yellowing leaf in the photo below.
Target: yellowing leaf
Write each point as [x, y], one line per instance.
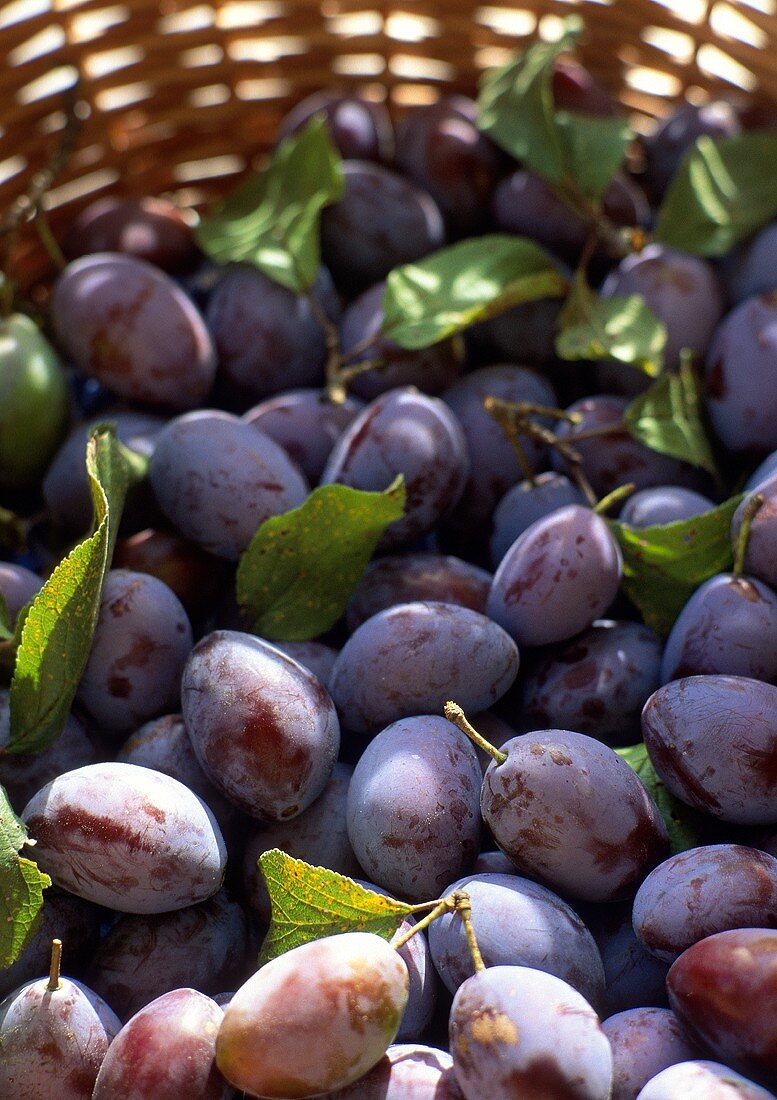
[297, 573]
[309, 903]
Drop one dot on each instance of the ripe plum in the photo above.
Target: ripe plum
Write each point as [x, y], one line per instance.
[413, 807]
[404, 432]
[263, 727]
[569, 811]
[217, 479]
[457, 654]
[126, 837]
[127, 324]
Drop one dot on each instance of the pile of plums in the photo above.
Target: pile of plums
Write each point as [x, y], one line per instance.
[611, 968]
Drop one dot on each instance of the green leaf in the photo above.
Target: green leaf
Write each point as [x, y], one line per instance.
[59, 625]
[296, 575]
[683, 824]
[572, 151]
[6, 626]
[595, 149]
[272, 220]
[668, 419]
[475, 279]
[721, 193]
[622, 329]
[309, 903]
[663, 565]
[9, 642]
[21, 886]
[516, 110]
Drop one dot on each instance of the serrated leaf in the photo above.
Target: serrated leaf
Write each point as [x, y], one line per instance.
[663, 565]
[722, 192]
[473, 280]
[57, 633]
[682, 823]
[21, 886]
[296, 575]
[309, 903]
[622, 329]
[272, 220]
[571, 151]
[668, 419]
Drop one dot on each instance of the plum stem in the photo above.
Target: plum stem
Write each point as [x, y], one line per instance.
[425, 906]
[347, 374]
[509, 422]
[49, 241]
[28, 203]
[447, 905]
[520, 414]
[748, 515]
[615, 497]
[56, 961]
[464, 909]
[456, 715]
[360, 349]
[335, 388]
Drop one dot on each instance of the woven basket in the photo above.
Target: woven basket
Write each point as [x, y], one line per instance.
[181, 96]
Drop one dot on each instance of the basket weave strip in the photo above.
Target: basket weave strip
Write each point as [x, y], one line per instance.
[184, 96]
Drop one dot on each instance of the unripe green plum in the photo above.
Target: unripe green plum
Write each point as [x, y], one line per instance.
[314, 1019]
[33, 402]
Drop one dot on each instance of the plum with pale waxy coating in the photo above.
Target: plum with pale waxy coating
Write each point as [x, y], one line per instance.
[517, 923]
[713, 742]
[53, 1041]
[413, 807]
[127, 324]
[701, 891]
[457, 654]
[140, 645]
[407, 1071]
[702, 1080]
[217, 479]
[404, 432]
[518, 1033]
[569, 811]
[559, 576]
[644, 1042]
[126, 837]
